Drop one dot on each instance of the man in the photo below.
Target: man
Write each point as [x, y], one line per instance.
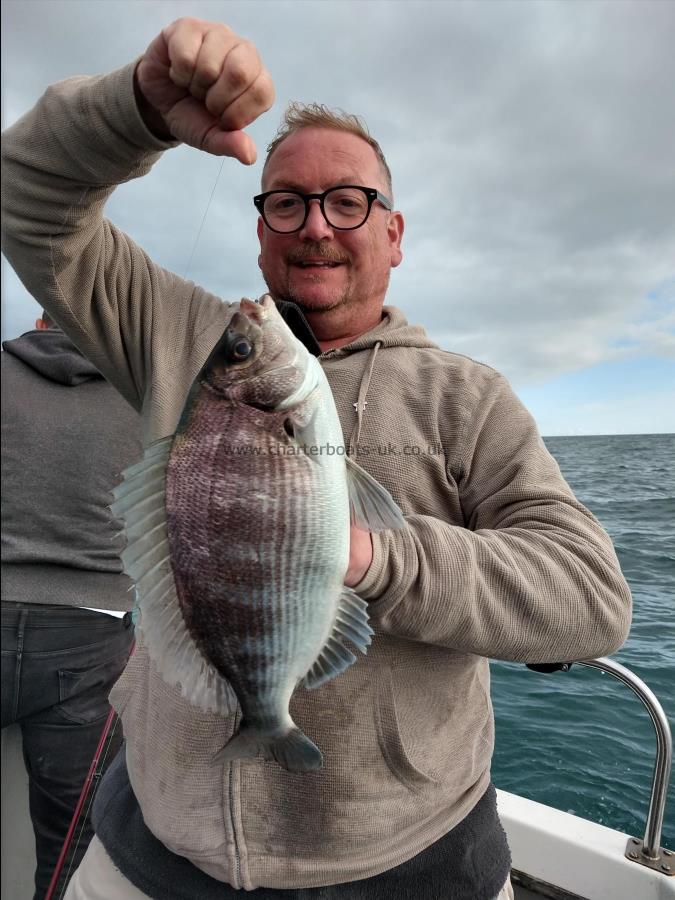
[498, 559]
[66, 436]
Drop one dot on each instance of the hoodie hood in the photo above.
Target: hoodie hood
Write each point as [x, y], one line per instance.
[393, 331]
[54, 356]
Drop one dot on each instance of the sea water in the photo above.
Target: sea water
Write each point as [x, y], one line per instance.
[581, 741]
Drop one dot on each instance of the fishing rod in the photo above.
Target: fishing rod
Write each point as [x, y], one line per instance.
[90, 786]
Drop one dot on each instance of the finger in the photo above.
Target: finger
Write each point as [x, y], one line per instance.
[216, 46]
[256, 100]
[240, 70]
[184, 40]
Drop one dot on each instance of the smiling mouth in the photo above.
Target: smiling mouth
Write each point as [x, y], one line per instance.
[316, 264]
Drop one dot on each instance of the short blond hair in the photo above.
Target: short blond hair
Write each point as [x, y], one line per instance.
[317, 115]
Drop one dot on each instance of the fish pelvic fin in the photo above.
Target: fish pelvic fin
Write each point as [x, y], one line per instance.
[292, 750]
[371, 506]
[351, 624]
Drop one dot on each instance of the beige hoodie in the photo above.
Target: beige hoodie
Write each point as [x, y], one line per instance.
[499, 559]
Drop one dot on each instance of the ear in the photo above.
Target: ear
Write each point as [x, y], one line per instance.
[40, 324]
[261, 230]
[395, 228]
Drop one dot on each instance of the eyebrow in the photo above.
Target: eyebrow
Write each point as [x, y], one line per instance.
[281, 184]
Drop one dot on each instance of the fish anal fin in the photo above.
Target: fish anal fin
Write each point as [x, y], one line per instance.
[351, 624]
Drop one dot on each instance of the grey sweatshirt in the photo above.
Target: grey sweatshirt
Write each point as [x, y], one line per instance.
[66, 436]
[499, 558]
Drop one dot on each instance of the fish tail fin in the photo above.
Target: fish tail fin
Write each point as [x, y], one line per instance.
[296, 753]
[293, 750]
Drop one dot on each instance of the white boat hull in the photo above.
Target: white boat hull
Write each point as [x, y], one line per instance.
[17, 871]
[581, 857]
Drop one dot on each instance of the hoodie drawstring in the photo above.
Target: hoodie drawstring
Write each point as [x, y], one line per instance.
[362, 402]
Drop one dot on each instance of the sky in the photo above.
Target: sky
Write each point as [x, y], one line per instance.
[532, 146]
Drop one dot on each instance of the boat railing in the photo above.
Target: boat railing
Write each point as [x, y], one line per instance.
[648, 851]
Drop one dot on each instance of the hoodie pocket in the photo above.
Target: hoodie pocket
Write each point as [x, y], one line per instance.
[391, 742]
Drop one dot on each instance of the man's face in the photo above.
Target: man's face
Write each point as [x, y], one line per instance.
[345, 297]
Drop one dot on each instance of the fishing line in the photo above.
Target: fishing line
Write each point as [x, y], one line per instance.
[206, 212]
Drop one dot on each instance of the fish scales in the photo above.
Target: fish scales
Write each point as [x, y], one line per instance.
[242, 589]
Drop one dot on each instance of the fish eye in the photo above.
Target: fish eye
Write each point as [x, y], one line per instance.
[241, 350]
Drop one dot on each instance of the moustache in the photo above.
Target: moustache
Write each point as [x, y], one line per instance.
[316, 251]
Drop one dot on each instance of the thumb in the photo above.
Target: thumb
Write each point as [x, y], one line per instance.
[231, 143]
[189, 121]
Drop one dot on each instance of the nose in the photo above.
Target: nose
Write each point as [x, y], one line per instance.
[316, 228]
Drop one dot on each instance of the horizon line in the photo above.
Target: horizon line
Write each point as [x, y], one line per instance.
[614, 434]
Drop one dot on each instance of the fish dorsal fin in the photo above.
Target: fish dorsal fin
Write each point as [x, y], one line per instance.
[351, 624]
[140, 501]
[371, 506]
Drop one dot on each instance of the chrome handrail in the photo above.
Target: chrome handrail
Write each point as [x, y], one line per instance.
[651, 846]
[649, 851]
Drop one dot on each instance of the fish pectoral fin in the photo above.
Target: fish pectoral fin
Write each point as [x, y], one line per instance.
[371, 506]
[351, 623]
[303, 421]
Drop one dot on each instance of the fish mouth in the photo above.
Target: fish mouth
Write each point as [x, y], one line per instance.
[247, 323]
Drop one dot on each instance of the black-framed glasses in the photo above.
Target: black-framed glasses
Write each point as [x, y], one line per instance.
[345, 207]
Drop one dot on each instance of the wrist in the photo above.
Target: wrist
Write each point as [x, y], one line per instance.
[360, 556]
[152, 118]
[370, 587]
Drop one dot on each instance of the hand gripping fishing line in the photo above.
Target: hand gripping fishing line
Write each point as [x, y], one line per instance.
[98, 763]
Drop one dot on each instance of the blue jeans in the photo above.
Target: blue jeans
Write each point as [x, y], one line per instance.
[58, 666]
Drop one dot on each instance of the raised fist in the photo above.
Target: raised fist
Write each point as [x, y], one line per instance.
[200, 83]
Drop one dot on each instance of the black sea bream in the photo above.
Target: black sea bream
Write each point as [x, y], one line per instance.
[238, 538]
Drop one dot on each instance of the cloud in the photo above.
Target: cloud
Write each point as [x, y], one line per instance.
[531, 146]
